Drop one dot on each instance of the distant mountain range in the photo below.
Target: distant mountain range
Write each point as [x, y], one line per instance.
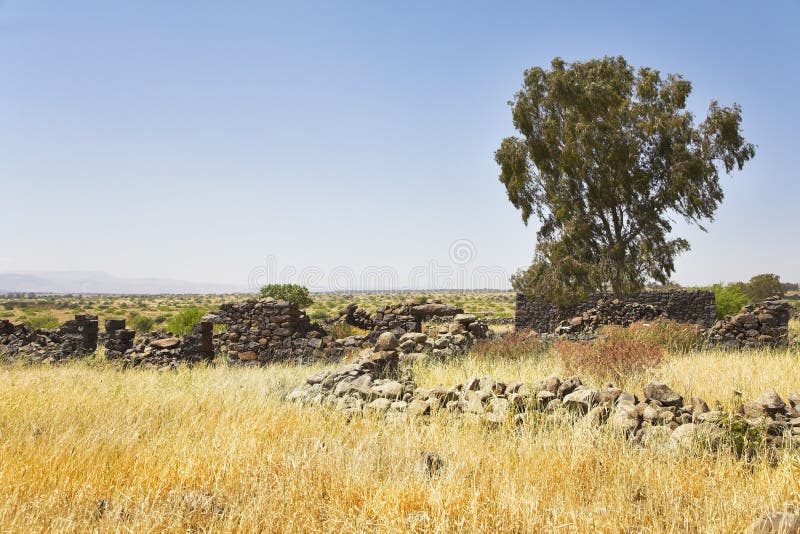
[100, 282]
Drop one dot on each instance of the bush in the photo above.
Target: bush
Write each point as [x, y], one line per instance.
[512, 346]
[730, 298]
[183, 321]
[610, 358]
[318, 315]
[669, 335]
[142, 324]
[35, 322]
[294, 293]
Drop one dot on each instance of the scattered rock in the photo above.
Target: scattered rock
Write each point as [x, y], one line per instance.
[663, 394]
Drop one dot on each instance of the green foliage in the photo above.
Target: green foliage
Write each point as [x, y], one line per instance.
[318, 315]
[607, 158]
[289, 292]
[743, 438]
[47, 320]
[763, 286]
[730, 298]
[142, 324]
[184, 320]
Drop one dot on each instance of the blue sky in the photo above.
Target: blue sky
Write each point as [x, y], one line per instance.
[206, 141]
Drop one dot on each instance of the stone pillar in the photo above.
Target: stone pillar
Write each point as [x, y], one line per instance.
[118, 338]
[79, 335]
[207, 339]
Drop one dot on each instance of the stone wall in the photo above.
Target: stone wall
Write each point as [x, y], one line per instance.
[76, 337]
[378, 382]
[399, 319]
[118, 339]
[261, 331]
[755, 326]
[79, 335]
[163, 349]
[684, 306]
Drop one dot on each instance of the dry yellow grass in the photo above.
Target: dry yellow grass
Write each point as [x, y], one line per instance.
[94, 449]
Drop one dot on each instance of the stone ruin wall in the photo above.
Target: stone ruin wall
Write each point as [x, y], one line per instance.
[685, 306]
[76, 337]
[265, 330]
[399, 319]
[258, 331]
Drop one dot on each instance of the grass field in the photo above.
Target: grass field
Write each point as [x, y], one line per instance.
[85, 447]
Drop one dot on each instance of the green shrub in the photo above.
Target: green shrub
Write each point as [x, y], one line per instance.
[730, 298]
[294, 293]
[318, 315]
[142, 324]
[182, 322]
[41, 321]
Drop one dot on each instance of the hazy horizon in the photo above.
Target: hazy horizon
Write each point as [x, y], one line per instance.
[349, 144]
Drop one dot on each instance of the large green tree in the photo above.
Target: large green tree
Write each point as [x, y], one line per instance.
[606, 159]
[763, 286]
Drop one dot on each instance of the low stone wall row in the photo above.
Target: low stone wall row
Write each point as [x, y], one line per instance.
[399, 319]
[379, 382]
[76, 337]
[685, 306]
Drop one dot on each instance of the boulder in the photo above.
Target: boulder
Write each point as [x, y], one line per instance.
[418, 407]
[389, 390]
[169, 343]
[380, 405]
[663, 394]
[624, 419]
[771, 402]
[580, 400]
[386, 342]
[693, 435]
[415, 337]
[465, 319]
[568, 386]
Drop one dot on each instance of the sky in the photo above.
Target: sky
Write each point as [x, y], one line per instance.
[349, 143]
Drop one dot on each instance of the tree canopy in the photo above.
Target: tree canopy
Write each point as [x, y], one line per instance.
[606, 159]
[293, 293]
[763, 286]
